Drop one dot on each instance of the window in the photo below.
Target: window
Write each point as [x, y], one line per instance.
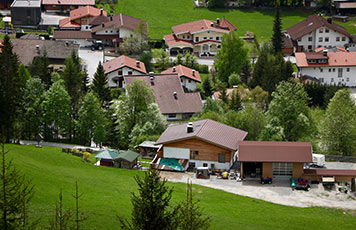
[171, 115]
[212, 166]
[300, 39]
[326, 30]
[321, 31]
[120, 72]
[183, 37]
[205, 164]
[129, 73]
[329, 70]
[347, 69]
[347, 79]
[205, 38]
[217, 38]
[188, 37]
[310, 47]
[332, 79]
[196, 39]
[211, 38]
[333, 69]
[320, 39]
[337, 39]
[112, 31]
[321, 79]
[221, 158]
[282, 169]
[189, 81]
[343, 39]
[326, 39]
[219, 46]
[321, 70]
[339, 72]
[191, 166]
[193, 154]
[106, 31]
[181, 80]
[310, 39]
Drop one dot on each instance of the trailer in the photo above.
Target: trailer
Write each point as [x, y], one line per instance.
[318, 160]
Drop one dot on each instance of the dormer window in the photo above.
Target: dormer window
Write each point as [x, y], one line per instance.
[183, 37]
[188, 37]
[326, 30]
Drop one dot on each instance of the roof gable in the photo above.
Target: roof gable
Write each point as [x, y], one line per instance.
[121, 62]
[334, 59]
[86, 11]
[203, 25]
[120, 21]
[184, 71]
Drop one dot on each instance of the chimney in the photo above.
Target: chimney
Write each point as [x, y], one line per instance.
[212, 24]
[102, 24]
[330, 20]
[325, 52]
[193, 72]
[190, 127]
[152, 80]
[110, 18]
[175, 95]
[38, 49]
[101, 11]
[138, 64]
[217, 21]
[347, 49]
[174, 69]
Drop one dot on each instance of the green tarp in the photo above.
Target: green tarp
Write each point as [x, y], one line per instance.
[107, 154]
[128, 155]
[172, 163]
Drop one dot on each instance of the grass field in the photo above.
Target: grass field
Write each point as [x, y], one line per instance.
[161, 15]
[107, 191]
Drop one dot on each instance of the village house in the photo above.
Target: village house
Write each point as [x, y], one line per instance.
[173, 102]
[65, 5]
[148, 149]
[329, 67]
[204, 143]
[5, 4]
[314, 32]
[79, 19]
[117, 68]
[203, 37]
[188, 77]
[26, 13]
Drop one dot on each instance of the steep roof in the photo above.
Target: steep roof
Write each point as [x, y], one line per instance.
[69, 2]
[207, 130]
[67, 23]
[123, 61]
[71, 34]
[335, 59]
[120, 21]
[202, 25]
[164, 86]
[98, 20]
[313, 23]
[171, 40]
[184, 71]
[275, 151]
[86, 11]
[26, 49]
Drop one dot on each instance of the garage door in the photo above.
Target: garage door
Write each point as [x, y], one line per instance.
[282, 169]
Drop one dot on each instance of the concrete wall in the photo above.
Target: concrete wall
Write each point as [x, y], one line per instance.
[329, 75]
[188, 83]
[267, 170]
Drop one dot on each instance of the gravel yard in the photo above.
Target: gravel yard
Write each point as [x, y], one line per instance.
[278, 192]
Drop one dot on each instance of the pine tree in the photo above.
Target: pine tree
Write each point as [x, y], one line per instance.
[207, 87]
[235, 101]
[277, 37]
[100, 86]
[39, 67]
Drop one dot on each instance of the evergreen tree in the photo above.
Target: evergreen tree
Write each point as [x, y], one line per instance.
[234, 80]
[151, 206]
[245, 72]
[338, 133]
[39, 67]
[146, 58]
[277, 37]
[235, 101]
[16, 193]
[100, 86]
[10, 88]
[207, 87]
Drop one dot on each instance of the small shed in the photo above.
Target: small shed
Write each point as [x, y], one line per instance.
[148, 149]
[126, 159]
[107, 157]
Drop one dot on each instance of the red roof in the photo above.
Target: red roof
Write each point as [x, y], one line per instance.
[312, 23]
[120, 21]
[275, 151]
[67, 23]
[331, 172]
[86, 11]
[69, 2]
[171, 40]
[184, 71]
[164, 86]
[335, 59]
[322, 48]
[202, 25]
[207, 130]
[123, 61]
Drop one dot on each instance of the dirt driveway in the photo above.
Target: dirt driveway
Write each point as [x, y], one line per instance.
[279, 192]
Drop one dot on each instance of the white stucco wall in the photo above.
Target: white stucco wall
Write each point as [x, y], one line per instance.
[125, 71]
[315, 35]
[188, 83]
[125, 33]
[329, 75]
[177, 117]
[107, 31]
[199, 163]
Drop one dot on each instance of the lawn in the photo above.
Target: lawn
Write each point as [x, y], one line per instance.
[107, 191]
[161, 15]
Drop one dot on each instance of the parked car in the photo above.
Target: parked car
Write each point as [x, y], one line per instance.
[97, 45]
[266, 180]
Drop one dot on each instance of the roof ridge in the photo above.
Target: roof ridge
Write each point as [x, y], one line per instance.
[206, 120]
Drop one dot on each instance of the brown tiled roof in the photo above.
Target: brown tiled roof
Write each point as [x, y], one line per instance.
[86, 11]
[207, 130]
[287, 42]
[26, 49]
[312, 23]
[164, 86]
[171, 40]
[120, 21]
[71, 34]
[201, 25]
[98, 20]
[69, 2]
[331, 172]
[182, 70]
[67, 23]
[224, 23]
[123, 61]
[275, 151]
[335, 59]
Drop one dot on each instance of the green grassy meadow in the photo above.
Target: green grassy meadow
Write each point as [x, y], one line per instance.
[161, 15]
[107, 191]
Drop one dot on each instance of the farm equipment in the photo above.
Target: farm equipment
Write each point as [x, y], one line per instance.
[266, 180]
[203, 173]
[302, 184]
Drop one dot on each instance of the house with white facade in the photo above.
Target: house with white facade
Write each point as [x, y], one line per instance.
[119, 67]
[316, 31]
[188, 77]
[329, 67]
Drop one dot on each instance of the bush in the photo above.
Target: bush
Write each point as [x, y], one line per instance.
[203, 69]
